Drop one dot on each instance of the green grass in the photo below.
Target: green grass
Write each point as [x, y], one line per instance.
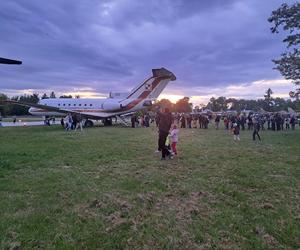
[105, 188]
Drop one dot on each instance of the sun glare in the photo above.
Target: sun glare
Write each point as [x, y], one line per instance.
[172, 98]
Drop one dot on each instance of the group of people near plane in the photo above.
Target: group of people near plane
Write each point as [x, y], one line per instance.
[274, 121]
[141, 121]
[72, 122]
[168, 125]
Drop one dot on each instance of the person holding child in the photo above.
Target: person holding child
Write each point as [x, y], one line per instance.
[164, 124]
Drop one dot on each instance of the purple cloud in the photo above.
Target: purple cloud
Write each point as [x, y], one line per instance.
[112, 45]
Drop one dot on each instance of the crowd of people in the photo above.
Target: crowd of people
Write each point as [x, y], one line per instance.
[169, 134]
[72, 122]
[141, 121]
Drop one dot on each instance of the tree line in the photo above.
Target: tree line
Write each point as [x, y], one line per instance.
[215, 104]
[268, 103]
[10, 110]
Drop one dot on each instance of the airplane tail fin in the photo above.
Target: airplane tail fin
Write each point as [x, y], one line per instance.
[153, 86]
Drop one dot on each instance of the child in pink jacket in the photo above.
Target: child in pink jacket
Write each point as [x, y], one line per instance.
[174, 138]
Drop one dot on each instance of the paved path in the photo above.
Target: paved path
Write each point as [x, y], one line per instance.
[22, 124]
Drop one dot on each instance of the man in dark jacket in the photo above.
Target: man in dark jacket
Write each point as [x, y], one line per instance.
[164, 124]
[256, 129]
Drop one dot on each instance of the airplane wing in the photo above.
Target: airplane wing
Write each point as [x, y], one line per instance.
[53, 109]
[9, 61]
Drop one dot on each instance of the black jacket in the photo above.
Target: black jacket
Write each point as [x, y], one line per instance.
[165, 122]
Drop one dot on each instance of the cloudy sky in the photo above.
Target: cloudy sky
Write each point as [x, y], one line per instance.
[92, 47]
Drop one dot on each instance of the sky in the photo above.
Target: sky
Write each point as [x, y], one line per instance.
[92, 47]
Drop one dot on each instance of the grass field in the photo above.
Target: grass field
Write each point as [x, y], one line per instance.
[105, 188]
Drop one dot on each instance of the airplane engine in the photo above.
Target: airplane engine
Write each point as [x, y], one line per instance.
[111, 106]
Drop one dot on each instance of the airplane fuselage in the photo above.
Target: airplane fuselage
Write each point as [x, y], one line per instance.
[117, 104]
[95, 107]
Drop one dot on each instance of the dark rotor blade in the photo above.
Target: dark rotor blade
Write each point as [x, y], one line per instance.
[9, 61]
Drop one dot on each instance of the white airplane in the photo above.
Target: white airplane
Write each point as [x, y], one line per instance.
[116, 105]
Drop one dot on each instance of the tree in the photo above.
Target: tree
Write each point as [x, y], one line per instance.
[21, 110]
[295, 94]
[217, 104]
[4, 109]
[52, 95]
[165, 103]
[288, 17]
[183, 105]
[44, 96]
[268, 94]
[268, 100]
[66, 96]
[232, 104]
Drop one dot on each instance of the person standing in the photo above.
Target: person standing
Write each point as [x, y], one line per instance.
[147, 121]
[183, 121]
[243, 121]
[194, 122]
[164, 125]
[226, 122]
[69, 122]
[287, 123]
[133, 118]
[74, 122]
[256, 128]
[250, 122]
[189, 121]
[236, 132]
[79, 122]
[62, 123]
[293, 122]
[217, 121]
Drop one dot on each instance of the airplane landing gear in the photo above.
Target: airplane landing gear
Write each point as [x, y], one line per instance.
[107, 122]
[88, 123]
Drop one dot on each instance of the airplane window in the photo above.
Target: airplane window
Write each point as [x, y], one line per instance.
[59, 104]
[69, 104]
[84, 104]
[79, 104]
[64, 104]
[74, 104]
[91, 105]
